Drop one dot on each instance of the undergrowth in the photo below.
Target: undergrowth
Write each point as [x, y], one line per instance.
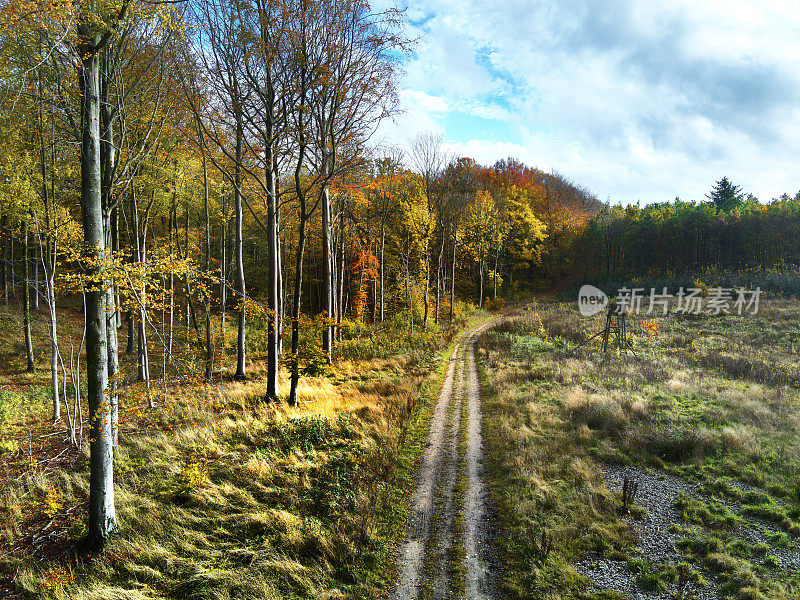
[220, 495]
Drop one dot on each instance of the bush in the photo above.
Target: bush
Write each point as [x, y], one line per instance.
[495, 305]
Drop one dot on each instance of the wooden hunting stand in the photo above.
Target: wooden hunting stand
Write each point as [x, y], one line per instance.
[615, 326]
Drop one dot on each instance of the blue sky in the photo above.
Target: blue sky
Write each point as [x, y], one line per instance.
[634, 100]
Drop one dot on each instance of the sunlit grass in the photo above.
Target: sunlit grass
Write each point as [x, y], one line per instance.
[220, 494]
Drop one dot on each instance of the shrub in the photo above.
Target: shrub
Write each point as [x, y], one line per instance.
[192, 477]
[678, 443]
[8, 446]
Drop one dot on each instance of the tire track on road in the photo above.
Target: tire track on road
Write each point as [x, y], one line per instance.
[424, 566]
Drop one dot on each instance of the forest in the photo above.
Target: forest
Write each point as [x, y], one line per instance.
[746, 242]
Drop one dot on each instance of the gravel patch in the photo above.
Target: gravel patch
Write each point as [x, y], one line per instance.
[657, 494]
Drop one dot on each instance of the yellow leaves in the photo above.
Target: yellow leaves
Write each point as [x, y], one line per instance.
[193, 476]
[52, 501]
[56, 579]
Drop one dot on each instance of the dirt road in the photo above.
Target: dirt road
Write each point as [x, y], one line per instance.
[446, 552]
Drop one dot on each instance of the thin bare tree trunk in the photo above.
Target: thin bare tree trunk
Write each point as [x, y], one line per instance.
[26, 308]
[208, 375]
[273, 277]
[327, 278]
[496, 256]
[383, 246]
[340, 278]
[410, 295]
[48, 245]
[281, 288]
[241, 372]
[453, 275]
[4, 277]
[172, 227]
[34, 283]
[480, 277]
[298, 283]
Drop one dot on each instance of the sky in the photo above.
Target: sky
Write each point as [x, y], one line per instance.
[634, 100]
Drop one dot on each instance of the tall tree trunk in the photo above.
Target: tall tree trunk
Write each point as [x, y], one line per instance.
[453, 275]
[4, 276]
[26, 307]
[240, 284]
[133, 242]
[410, 295]
[47, 253]
[34, 283]
[496, 259]
[480, 279]
[102, 521]
[298, 283]
[427, 287]
[383, 246]
[301, 197]
[143, 370]
[51, 307]
[172, 227]
[115, 247]
[223, 258]
[439, 276]
[340, 274]
[273, 275]
[208, 376]
[107, 164]
[327, 277]
[374, 250]
[281, 287]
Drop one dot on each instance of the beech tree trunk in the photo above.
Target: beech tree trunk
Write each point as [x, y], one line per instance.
[102, 521]
[273, 292]
[383, 245]
[427, 287]
[480, 278]
[240, 284]
[298, 283]
[327, 278]
[496, 259]
[34, 282]
[453, 275]
[47, 253]
[4, 277]
[107, 163]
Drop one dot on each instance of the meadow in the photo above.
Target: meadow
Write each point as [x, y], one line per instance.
[668, 471]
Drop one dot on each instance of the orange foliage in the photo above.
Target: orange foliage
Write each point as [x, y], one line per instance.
[363, 269]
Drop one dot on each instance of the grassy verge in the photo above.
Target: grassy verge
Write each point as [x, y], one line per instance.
[221, 496]
[695, 404]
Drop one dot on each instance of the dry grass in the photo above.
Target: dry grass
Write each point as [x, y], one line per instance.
[220, 495]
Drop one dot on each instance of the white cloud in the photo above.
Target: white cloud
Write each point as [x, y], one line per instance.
[631, 99]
